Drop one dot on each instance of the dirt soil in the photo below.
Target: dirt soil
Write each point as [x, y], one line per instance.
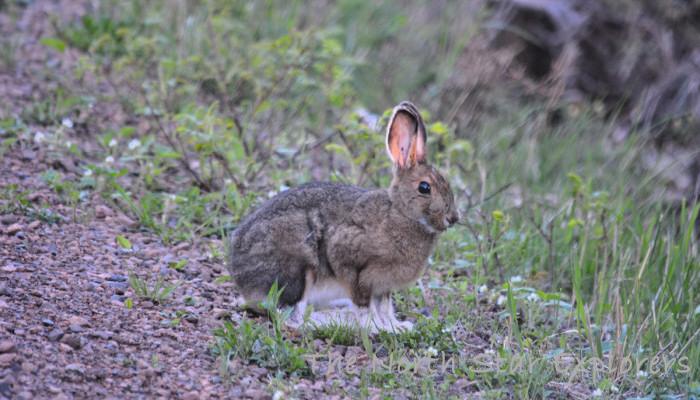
[64, 328]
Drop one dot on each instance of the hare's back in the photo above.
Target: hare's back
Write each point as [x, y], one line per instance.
[295, 212]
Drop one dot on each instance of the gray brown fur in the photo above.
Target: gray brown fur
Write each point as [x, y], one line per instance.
[370, 241]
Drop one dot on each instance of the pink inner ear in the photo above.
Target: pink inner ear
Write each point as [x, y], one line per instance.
[400, 135]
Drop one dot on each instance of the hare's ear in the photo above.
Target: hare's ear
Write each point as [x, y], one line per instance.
[405, 136]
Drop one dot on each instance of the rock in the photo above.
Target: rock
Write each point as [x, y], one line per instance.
[28, 367]
[117, 299]
[64, 347]
[119, 287]
[74, 341]
[191, 396]
[77, 320]
[13, 229]
[117, 278]
[256, 394]
[33, 225]
[9, 268]
[102, 211]
[75, 328]
[151, 252]
[20, 235]
[54, 389]
[220, 313]
[5, 290]
[53, 249]
[55, 335]
[8, 219]
[106, 335]
[7, 346]
[7, 359]
[47, 322]
[192, 318]
[75, 368]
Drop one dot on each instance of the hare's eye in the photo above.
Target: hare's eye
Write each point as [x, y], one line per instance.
[424, 187]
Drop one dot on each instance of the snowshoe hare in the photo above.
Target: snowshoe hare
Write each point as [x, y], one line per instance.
[324, 242]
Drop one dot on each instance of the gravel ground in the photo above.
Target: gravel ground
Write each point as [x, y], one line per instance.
[64, 328]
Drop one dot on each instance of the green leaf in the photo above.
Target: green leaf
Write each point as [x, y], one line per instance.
[223, 279]
[129, 303]
[179, 265]
[123, 242]
[54, 43]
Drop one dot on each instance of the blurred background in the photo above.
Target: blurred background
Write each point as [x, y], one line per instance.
[567, 128]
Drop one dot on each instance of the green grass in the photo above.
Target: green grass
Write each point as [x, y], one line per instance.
[569, 270]
[261, 344]
[159, 292]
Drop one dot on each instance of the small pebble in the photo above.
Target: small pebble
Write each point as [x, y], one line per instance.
[47, 322]
[55, 335]
[117, 278]
[190, 396]
[106, 335]
[13, 229]
[76, 368]
[117, 298]
[8, 219]
[119, 287]
[74, 341]
[7, 359]
[53, 249]
[77, 320]
[7, 346]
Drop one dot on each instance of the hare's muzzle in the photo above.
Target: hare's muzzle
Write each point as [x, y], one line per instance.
[452, 219]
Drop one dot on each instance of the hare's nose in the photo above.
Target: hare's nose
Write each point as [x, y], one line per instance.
[453, 218]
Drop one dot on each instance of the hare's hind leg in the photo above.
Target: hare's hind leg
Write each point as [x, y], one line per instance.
[255, 276]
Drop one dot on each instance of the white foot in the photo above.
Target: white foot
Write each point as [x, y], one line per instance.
[381, 310]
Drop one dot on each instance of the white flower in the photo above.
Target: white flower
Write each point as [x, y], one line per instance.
[533, 297]
[501, 300]
[134, 143]
[67, 123]
[109, 160]
[432, 351]
[283, 188]
[113, 142]
[597, 393]
[615, 389]
[87, 172]
[69, 144]
[483, 288]
[516, 279]
[39, 137]
[271, 194]
[642, 374]
[279, 395]
[489, 351]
